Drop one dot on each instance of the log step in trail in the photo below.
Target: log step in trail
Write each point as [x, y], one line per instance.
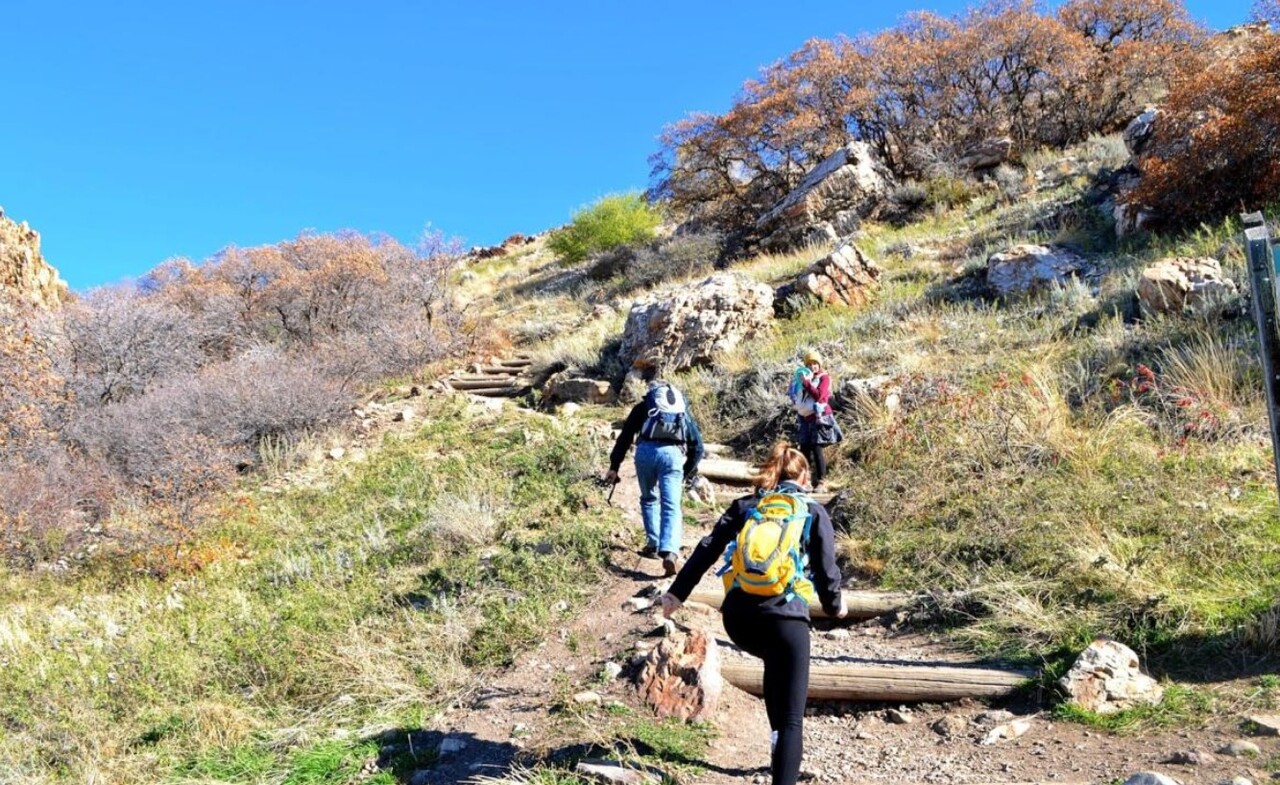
[888, 683]
[861, 604]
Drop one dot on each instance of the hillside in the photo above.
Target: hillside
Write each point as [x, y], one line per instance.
[24, 274]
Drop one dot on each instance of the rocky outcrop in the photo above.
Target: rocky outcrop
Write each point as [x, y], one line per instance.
[690, 326]
[1178, 284]
[846, 276]
[564, 387]
[1105, 679]
[1140, 130]
[24, 274]
[681, 677]
[1025, 269]
[829, 202]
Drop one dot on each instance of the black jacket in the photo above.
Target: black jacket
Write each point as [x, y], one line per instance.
[639, 413]
[822, 562]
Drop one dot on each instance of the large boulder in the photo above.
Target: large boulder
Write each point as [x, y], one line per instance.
[1140, 130]
[564, 387]
[689, 326]
[1105, 679]
[845, 276]
[681, 677]
[25, 277]
[1025, 269]
[1178, 284]
[830, 201]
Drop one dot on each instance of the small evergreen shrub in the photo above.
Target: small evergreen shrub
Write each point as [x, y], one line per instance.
[617, 219]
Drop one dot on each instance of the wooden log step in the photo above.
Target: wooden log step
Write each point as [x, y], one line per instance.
[464, 382]
[861, 604]
[498, 369]
[726, 471]
[717, 450]
[502, 391]
[889, 683]
[484, 384]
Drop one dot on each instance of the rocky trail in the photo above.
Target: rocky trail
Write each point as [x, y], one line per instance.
[574, 684]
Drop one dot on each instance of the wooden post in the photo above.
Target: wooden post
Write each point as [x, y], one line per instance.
[1262, 278]
[894, 683]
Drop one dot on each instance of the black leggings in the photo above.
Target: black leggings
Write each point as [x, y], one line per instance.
[812, 451]
[783, 644]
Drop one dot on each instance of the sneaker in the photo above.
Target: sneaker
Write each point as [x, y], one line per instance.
[649, 552]
[670, 562]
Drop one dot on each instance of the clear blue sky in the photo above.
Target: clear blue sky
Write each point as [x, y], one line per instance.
[136, 131]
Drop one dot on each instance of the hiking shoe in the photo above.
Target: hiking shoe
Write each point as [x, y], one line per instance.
[649, 552]
[670, 561]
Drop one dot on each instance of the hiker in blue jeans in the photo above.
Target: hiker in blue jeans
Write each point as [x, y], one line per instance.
[668, 449]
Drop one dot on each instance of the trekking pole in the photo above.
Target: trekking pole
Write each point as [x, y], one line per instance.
[609, 498]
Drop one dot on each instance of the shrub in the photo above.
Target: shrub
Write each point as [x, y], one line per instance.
[1216, 149]
[645, 266]
[614, 220]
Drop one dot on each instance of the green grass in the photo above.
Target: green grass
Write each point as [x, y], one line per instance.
[1181, 706]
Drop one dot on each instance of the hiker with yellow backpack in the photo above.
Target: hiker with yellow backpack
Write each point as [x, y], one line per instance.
[779, 558]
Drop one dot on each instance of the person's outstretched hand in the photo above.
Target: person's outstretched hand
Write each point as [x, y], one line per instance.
[670, 604]
[611, 477]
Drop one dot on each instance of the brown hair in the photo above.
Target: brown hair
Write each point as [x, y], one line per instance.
[784, 463]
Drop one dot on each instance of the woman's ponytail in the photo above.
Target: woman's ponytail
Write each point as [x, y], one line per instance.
[784, 463]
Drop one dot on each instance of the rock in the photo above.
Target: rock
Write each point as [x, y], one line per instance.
[1239, 748]
[637, 604]
[846, 185]
[611, 671]
[1006, 732]
[681, 677]
[570, 409]
[1105, 679]
[608, 771]
[1191, 758]
[336, 453]
[1140, 130]
[1238, 780]
[837, 635]
[588, 698]
[681, 328]
[898, 716]
[451, 745]
[404, 415]
[25, 277]
[987, 154]
[846, 276]
[1179, 284]
[949, 726]
[1150, 778]
[702, 491]
[1264, 724]
[1025, 269]
[565, 388]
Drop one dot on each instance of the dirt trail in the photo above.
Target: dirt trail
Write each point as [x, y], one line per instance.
[527, 711]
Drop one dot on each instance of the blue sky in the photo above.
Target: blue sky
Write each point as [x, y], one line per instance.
[138, 131]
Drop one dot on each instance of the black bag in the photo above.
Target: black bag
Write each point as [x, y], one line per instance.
[827, 429]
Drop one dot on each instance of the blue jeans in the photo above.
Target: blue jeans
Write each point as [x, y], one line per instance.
[660, 469]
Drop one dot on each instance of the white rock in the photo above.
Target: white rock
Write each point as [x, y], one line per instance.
[1006, 732]
[1105, 679]
[1025, 269]
[1151, 778]
[588, 697]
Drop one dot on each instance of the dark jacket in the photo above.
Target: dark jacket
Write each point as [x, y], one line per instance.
[639, 413]
[822, 562]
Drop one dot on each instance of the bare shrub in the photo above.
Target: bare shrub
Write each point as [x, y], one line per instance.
[30, 390]
[120, 342]
[646, 266]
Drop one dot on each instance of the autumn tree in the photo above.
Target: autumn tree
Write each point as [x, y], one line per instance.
[1216, 149]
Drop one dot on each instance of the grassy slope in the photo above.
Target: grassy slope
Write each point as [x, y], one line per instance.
[328, 618]
[1028, 469]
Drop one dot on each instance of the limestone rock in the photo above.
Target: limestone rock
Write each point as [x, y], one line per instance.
[1265, 724]
[1105, 679]
[1239, 748]
[681, 677]
[1151, 778]
[613, 773]
[565, 388]
[24, 275]
[827, 203]
[1024, 269]
[1180, 284]
[689, 326]
[845, 276]
[1139, 131]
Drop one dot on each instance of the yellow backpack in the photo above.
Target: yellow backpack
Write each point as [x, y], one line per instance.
[769, 556]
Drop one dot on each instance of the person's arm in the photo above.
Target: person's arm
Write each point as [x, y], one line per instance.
[822, 560]
[629, 430]
[693, 449]
[709, 549]
[821, 391]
